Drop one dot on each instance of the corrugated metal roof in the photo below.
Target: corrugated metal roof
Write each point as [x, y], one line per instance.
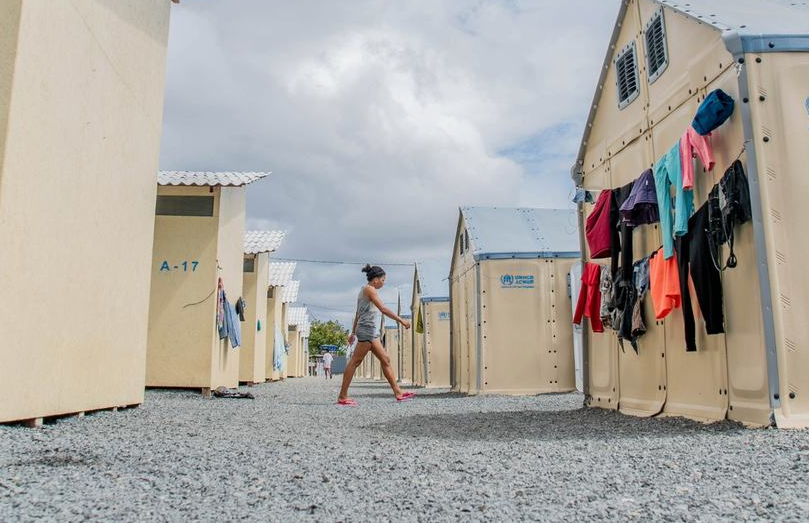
[747, 26]
[262, 241]
[208, 178]
[433, 279]
[291, 291]
[507, 232]
[297, 316]
[281, 273]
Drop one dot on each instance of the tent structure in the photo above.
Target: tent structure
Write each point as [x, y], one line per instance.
[405, 352]
[430, 305]
[280, 277]
[511, 318]
[390, 340]
[663, 59]
[81, 106]
[252, 357]
[298, 325]
[197, 269]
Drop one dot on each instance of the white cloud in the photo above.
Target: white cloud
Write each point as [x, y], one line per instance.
[379, 118]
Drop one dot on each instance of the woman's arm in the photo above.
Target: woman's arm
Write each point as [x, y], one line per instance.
[372, 295]
[353, 334]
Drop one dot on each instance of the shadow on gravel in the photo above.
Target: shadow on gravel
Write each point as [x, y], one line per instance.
[54, 460]
[419, 397]
[580, 424]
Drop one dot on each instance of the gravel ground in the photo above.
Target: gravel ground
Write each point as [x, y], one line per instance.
[292, 455]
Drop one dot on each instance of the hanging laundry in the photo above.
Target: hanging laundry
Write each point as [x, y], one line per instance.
[607, 300]
[713, 111]
[664, 284]
[668, 172]
[692, 145]
[694, 259]
[641, 206]
[597, 227]
[241, 307]
[589, 304]
[640, 280]
[582, 196]
[729, 205]
[278, 350]
[220, 309]
[232, 324]
[621, 237]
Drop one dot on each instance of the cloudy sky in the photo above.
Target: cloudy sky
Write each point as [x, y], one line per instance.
[379, 118]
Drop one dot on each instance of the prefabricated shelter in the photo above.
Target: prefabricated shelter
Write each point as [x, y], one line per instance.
[511, 319]
[81, 109]
[289, 296]
[253, 352]
[390, 340]
[430, 305]
[406, 352]
[297, 326]
[198, 245]
[664, 58]
[280, 277]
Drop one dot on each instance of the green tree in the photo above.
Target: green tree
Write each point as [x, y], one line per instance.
[327, 333]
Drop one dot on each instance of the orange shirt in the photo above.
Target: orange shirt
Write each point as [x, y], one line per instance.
[664, 284]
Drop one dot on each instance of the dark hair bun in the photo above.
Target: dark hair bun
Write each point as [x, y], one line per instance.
[367, 268]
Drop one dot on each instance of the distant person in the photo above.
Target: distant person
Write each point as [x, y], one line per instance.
[366, 332]
[327, 359]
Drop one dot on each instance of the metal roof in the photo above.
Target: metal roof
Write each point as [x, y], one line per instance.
[291, 291]
[748, 26]
[297, 316]
[281, 273]
[208, 178]
[262, 241]
[508, 232]
[434, 279]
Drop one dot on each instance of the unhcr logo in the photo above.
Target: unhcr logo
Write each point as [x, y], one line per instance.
[517, 281]
[443, 316]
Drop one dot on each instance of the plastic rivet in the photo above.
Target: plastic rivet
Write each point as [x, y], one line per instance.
[758, 60]
[762, 98]
[766, 139]
[741, 60]
[792, 395]
[777, 396]
[771, 44]
[745, 99]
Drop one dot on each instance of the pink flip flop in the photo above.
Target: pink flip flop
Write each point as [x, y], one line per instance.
[347, 403]
[405, 396]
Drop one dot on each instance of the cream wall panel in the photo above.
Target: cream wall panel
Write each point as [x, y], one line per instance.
[437, 343]
[781, 79]
[274, 319]
[61, 92]
[253, 353]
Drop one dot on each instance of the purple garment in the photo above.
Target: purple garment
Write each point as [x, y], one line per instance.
[641, 206]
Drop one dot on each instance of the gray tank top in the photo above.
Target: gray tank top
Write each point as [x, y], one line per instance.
[367, 320]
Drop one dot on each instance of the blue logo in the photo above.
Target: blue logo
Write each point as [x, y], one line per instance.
[517, 281]
[443, 316]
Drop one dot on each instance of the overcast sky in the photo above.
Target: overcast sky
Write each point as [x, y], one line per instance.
[379, 118]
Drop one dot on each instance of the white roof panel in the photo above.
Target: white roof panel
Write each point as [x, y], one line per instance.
[297, 316]
[291, 291]
[501, 232]
[208, 178]
[281, 273]
[433, 279]
[262, 241]
[749, 18]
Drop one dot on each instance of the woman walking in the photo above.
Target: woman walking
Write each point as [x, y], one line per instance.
[366, 332]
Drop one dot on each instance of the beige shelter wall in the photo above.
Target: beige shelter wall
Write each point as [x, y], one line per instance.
[294, 352]
[781, 79]
[253, 353]
[392, 348]
[406, 345]
[80, 125]
[418, 337]
[727, 370]
[274, 319]
[230, 257]
[527, 331]
[181, 335]
[436, 339]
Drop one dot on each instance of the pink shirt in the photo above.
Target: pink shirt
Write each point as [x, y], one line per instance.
[692, 144]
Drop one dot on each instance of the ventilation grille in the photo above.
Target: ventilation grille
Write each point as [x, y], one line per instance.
[657, 53]
[249, 265]
[184, 206]
[626, 70]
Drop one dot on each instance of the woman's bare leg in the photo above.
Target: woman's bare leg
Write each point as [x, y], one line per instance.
[387, 369]
[348, 375]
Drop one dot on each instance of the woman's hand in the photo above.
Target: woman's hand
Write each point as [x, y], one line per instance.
[405, 323]
[351, 339]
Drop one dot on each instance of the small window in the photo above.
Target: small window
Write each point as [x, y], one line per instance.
[270, 292]
[626, 73]
[249, 265]
[657, 52]
[460, 242]
[184, 206]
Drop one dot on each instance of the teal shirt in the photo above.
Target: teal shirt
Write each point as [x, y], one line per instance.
[668, 172]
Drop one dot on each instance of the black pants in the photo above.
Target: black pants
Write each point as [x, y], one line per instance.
[694, 253]
[621, 237]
